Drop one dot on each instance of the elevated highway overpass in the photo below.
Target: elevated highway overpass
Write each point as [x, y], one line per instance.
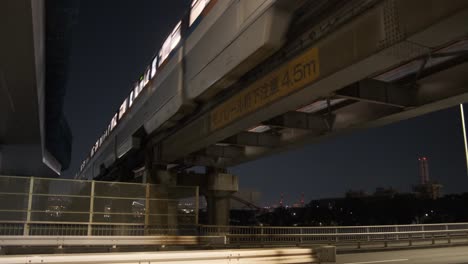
[280, 74]
[366, 72]
[356, 64]
[34, 49]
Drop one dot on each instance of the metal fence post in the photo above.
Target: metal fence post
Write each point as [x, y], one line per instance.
[262, 236]
[197, 204]
[448, 234]
[147, 209]
[302, 234]
[28, 214]
[91, 209]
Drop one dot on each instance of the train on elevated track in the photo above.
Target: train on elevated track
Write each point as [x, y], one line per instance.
[214, 44]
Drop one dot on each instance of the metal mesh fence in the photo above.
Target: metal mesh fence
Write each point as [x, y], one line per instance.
[42, 206]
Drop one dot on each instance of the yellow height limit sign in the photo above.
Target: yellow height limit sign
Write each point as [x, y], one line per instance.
[294, 75]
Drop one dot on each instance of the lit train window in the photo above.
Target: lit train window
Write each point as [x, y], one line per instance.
[141, 84]
[130, 100]
[170, 43]
[144, 80]
[113, 122]
[175, 36]
[154, 66]
[136, 91]
[122, 109]
[197, 9]
[147, 76]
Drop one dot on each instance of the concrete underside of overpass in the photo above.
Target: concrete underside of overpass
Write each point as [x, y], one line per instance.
[367, 77]
[32, 142]
[22, 87]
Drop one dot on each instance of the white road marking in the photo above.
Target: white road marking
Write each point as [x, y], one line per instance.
[378, 261]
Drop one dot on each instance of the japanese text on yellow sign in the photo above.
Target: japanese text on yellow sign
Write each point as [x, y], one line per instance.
[290, 77]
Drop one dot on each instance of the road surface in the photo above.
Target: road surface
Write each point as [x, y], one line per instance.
[447, 255]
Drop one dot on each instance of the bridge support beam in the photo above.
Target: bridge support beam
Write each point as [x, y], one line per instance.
[253, 139]
[162, 212]
[207, 161]
[299, 120]
[218, 191]
[379, 92]
[217, 186]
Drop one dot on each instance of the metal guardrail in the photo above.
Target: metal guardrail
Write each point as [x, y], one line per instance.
[277, 255]
[237, 235]
[108, 241]
[339, 235]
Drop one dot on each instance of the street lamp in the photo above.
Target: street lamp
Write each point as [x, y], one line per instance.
[464, 134]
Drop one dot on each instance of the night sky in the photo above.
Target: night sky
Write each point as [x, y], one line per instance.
[114, 41]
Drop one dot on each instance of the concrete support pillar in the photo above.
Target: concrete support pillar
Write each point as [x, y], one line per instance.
[218, 208]
[218, 190]
[217, 186]
[162, 212]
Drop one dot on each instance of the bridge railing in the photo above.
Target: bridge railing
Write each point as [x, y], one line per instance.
[75, 234]
[266, 235]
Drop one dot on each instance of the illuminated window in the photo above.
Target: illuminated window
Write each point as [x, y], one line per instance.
[170, 43]
[141, 85]
[147, 76]
[123, 109]
[130, 100]
[175, 36]
[197, 9]
[154, 66]
[136, 91]
[113, 122]
[144, 79]
[165, 50]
